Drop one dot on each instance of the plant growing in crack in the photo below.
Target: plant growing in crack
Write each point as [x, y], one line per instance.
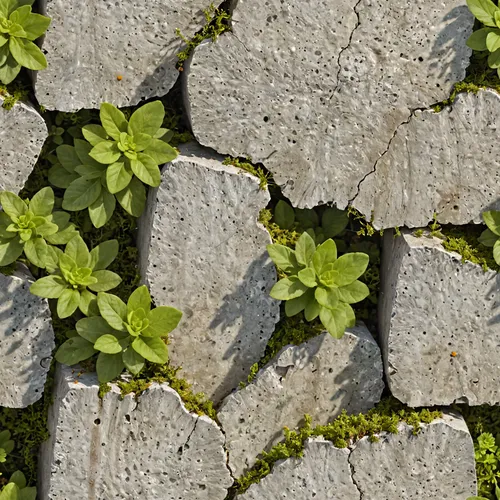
[17, 488]
[491, 237]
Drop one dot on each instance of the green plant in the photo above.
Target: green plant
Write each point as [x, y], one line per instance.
[122, 155]
[491, 237]
[6, 446]
[32, 226]
[19, 27]
[79, 273]
[487, 455]
[125, 335]
[17, 489]
[319, 283]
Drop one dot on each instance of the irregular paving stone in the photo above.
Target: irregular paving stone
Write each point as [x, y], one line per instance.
[317, 92]
[202, 251]
[90, 44]
[438, 462]
[436, 165]
[113, 448]
[323, 473]
[320, 377]
[26, 341]
[22, 134]
[438, 324]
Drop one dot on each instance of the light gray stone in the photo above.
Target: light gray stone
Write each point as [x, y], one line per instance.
[127, 449]
[323, 473]
[26, 341]
[203, 251]
[317, 91]
[22, 134]
[90, 44]
[433, 305]
[436, 164]
[320, 377]
[438, 462]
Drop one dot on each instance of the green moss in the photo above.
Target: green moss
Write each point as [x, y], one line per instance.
[12, 93]
[281, 236]
[263, 175]
[104, 388]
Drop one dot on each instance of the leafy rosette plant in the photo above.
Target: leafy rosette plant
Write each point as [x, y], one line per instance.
[125, 335]
[17, 488]
[19, 27]
[79, 273]
[6, 446]
[319, 283]
[491, 237]
[32, 226]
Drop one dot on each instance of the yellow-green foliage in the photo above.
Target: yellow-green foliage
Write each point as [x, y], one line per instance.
[263, 176]
[12, 93]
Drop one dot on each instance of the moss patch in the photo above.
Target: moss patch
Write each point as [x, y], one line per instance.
[12, 93]
[258, 171]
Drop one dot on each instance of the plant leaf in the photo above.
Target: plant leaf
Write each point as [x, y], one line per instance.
[78, 251]
[146, 169]
[350, 267]
[105, 152]
[113, 120]
[139, 299]
[284, 257]
[35, 25]
[311, 312]
[74, 350]
[334, 221]
[147, 119]
[133, 197]
[295, 306]
[10, 251]
[109, 366]
[106, 280]
[496, 252]
[81, 193]
[334, 320]
[94, 327]
[9, 70]
[491, 219]
[103, 255]
[288, 288]
[494, 59]
[36, 252]
[327, 297]
[483, 10]
[134, 362]
[326, 253]
[49, 287]
[118, 176]
[151, 348]
[88, 303]
[284, 215]
[68, 303]
[477, 41]
[68, 158]
[162, 320]
[161, 152]
[12, 205]
[493, 40]
[102, 209]
[308, 277]
[354, 292]
[304, 249]
[488, 238]
[113, 310]
[307, 218]
[42, 202]
[27, 54]
[108, 343]
[94, 134]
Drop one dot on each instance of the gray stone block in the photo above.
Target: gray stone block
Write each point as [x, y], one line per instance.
[90, 44]
[436, 164]
[317, 91]
[320, 377]
[203, 251]
[439, 324]
[128, 449]
[22, 134]
[26, 341]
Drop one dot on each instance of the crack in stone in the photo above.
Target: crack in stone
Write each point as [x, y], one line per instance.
[191, 433]
[351, 466]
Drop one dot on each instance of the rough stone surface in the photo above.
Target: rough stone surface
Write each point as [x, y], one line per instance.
[26, 341]
[322, 474]
[433, 305]
[317, 92]
[22, 134]
[320, 377]
[151, 449]
[436, 165]
[90, 44]
[203, 251]
[436, 463]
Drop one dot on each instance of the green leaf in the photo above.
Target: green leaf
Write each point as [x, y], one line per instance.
[62, 237]
[304, 249]
[334, 221]
[74, 350]
[36, 252]
[113, 121]
[19, 479]
[295, 306]
[27, 493]
[350, 316]
[325, 254]
[105, 152]
[488, 238]
[81, 194]
[20, 15]
[94, 327]
[288, 288]
[27, 54]
[162, 320]
[350, 267]
[147, 119]
[311, 312]
[35, 25]
[284, 215]
[496, 252]
[88, 303]
[113, 310]
[103, 255]
[109, 366]
[133, 197]
[42, 202]
[334, 320]
[493, 40]
[477, 41]
[9, 70]
[67, 156]
[284, 257]
[83, 149]
[151, 348]
[483, 10]
[494, 59]
[78, 251]
[102, 209]
[161, 152]
[91, 171]
[134, 362]
[142, 141]
[108, 343]
[139, 299]
[491, 219]
[94, 134]
[10, 251]
[118, 176]
[106, 280]
[12, 205]
[68, 303]
[327, 297]
[146, 169]
[50, 287]
[354, 292]
[308, 277]
[307, 218]
[10, 492]
[52, 259]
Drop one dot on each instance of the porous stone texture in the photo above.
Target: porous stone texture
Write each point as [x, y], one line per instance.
[439, 324]
[26, 341]
[436, 165]
[22, 134]
[317, 92]
[112, 448]
[323, 473]
[90, 45]
[320, 377]
[203, 251]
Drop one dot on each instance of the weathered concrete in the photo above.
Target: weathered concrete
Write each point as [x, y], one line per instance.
[22, 134]
[317, 92]
[322, 474]
[151, 449]
[439, 324]
[90, 44]
[436, 165]
[320, 377]
[203, 251]
[26, 341]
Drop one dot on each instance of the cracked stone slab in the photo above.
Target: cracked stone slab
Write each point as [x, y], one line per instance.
[22, 134]
[113, 448]
[26, 341]
[320, 377]
[323, 473]
[438, 462]
[203, 251]
[439, 324]
[317, 93]
[436, 165]
[90, 45]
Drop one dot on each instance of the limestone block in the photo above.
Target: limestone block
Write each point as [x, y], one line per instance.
[438, 462]
[320, 377]
[90, 44]
[203, 251]
[436, 165]
[112, 448]
[317, 91]
[26, 341]
[322, 474]
[433, 305]
[22, 134]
